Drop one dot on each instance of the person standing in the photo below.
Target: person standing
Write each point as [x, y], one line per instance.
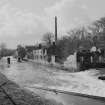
[8, 61]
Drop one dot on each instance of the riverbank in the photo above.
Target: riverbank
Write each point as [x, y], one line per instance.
[12, 94]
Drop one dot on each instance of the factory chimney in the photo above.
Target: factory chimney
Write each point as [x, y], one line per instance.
[55, 29]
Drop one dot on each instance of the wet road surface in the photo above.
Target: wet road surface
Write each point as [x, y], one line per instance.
[30, 75]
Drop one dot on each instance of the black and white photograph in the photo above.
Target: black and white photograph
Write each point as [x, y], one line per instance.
[52, 52]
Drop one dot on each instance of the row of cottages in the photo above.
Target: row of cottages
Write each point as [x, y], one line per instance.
[41, 54]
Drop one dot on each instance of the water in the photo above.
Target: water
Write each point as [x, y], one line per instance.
[29, 74]
[65, 99]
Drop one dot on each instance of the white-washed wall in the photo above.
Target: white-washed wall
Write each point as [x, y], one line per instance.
[42, 57]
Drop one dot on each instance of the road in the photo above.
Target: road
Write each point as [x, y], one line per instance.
[29, 73]
[30, 76]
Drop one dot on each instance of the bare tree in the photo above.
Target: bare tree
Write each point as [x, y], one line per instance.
[21, 51]
[48, 38]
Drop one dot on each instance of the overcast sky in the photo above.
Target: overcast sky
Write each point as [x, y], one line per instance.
[25, 21]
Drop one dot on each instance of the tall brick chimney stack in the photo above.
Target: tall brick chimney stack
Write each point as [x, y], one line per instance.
[55, 29]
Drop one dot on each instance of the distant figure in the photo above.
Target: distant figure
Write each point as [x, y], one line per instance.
[19, 59]
[8, 61]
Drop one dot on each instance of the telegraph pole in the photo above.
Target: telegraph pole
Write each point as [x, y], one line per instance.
[55, 29]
